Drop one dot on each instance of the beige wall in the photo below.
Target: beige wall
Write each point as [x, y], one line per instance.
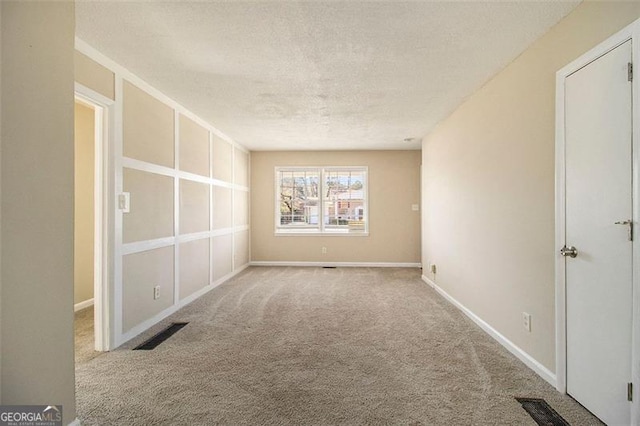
[222, 214]
[194, 147]
[394, 229]
[148, 127]
[221, 256]
[222, 159]
[141, 273]
[488, 185]
[83, 202]
[181, 185]
[194, 266]
[91, 74]
[194, 206]
[37, 204]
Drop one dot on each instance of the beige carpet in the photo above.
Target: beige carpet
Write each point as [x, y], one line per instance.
[84, 336]
[313, 346]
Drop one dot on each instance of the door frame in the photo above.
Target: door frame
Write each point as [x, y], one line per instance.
[104, 211]
[631, 32]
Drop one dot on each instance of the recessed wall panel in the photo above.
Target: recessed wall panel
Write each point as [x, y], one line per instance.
[151, 206]
[194, 147]
[148, 127]
[194, 207]
[241, 208]
[222, 158]
[241, 249]
[222, 256]
[241, 170]
[222, 208]
[194, 266]
[141, 272]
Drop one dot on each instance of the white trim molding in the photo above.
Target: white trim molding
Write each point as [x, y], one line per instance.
[82, 305]
[336, 264]
[527, 359]
[104, 172]
[631, 32]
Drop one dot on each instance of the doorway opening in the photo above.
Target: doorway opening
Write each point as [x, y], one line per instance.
[91, 318]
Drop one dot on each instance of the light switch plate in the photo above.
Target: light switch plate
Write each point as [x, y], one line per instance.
[526, 321]
[124, 202]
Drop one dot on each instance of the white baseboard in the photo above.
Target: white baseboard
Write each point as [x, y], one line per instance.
[527, 359]
[75, 422]
[81, 305]
[337, 264]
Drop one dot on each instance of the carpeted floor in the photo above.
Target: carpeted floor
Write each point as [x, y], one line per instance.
[313, 346]
[84, 336]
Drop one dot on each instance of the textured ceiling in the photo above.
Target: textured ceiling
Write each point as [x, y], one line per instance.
[286, 75]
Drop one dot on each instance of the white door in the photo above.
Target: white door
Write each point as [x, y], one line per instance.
[598, 165]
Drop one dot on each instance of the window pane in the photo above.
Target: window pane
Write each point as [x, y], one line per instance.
[298, 198]
[344, 195]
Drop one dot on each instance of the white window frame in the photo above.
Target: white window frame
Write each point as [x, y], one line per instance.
[321, 228]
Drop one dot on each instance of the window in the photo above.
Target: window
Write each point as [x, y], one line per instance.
[321, 200]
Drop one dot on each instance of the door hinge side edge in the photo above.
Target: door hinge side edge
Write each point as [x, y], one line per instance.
[629, 71]
[630, 391]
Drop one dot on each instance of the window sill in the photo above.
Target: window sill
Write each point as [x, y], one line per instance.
[317, 233]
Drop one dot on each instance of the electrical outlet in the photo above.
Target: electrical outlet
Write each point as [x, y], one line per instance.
[156, 292]
[324, 250]
[526, 321]
[433, 268]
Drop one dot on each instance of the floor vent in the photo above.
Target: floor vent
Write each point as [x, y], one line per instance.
[542, 412]
[154, 341]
